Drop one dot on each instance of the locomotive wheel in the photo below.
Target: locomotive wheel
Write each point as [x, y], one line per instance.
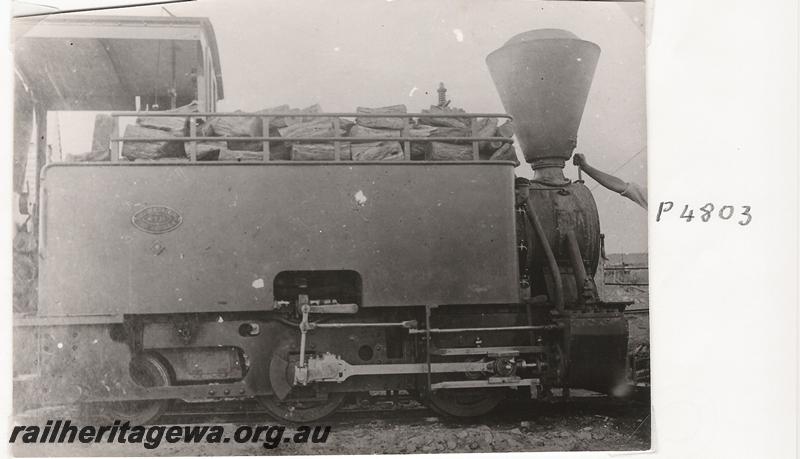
[296, 409]
[147, 371]
[295, 404]
[464, 403]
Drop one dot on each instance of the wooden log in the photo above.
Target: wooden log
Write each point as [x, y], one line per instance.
[362, 131]
[210, 151]
[505, 153]
[319, 127]
[455, 122]
[421, 130]
[276, 122]
[486, 128]
[377, 151]
[235, 126]
[248, 127]
[152, 149]
[441, 151]
[278, 151]
[177, 126]
[382, 123]
[288, 121]
[451, 132]
[319, 151]
[504, 130]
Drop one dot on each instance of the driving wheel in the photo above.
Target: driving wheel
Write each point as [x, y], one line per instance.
[146, 371]
[296, 404]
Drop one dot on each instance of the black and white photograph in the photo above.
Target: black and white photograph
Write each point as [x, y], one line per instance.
[545, 228]
[355, 227]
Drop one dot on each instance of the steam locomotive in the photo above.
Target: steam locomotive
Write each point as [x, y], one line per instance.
[300, 283]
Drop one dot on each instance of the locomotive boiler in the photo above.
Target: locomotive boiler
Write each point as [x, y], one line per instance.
[301, 283]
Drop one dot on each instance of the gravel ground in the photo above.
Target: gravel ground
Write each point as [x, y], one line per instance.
[583, 423]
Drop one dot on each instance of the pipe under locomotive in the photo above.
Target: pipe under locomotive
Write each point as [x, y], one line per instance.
[299, 283]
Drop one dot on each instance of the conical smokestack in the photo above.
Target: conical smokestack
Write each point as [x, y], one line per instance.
[543, 77]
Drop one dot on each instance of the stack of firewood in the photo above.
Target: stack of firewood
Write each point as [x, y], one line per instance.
[310, 127]
[378, 127]
[461, 127]
[155, 127]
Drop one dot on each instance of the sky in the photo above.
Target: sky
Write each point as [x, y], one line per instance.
[353, 53]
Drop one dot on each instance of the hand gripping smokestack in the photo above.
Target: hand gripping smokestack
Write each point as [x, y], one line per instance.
[543, 78]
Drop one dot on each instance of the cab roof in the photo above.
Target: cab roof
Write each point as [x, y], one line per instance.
[83, 62]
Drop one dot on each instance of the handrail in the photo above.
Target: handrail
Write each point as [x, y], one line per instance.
[313, 115]
[313, 139]
[335, 117]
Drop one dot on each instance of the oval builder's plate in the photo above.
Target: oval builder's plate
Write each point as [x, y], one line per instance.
[156, 219]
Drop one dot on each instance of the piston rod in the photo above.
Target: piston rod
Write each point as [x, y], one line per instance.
[404, 324]
[417, 331]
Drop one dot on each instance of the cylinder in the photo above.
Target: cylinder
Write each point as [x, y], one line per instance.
[543, 78]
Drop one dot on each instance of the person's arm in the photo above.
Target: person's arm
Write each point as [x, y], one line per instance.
[607, 180]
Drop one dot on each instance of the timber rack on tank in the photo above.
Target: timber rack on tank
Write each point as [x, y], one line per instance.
[475, 139]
